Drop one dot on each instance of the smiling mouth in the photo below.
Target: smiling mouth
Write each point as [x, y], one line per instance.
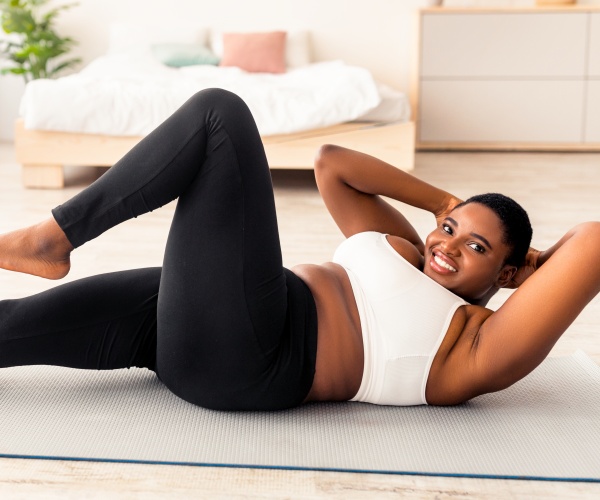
[442, 264]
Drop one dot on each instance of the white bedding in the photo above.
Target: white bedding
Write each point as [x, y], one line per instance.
[123, 94]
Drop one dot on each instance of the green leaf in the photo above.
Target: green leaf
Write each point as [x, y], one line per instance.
[14, 71]
[18, 21]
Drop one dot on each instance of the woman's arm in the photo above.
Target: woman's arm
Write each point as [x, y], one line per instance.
[535, 259]
[352, 183]
[516, 338]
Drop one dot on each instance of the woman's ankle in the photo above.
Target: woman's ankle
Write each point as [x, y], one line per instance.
[42, 250]
[52, 240]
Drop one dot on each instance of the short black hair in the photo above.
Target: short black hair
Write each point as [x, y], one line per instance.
[514, 218]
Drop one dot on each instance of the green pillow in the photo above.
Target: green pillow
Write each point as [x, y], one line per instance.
[178, 55]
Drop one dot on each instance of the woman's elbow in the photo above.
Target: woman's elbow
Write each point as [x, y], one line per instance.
[324, 156]
[591, 230]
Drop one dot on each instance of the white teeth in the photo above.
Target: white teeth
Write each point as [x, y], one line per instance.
[445, 265]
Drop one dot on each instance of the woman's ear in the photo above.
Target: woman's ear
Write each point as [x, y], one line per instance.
[505, 275]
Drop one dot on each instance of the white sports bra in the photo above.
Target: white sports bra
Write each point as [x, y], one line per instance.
[404, 317]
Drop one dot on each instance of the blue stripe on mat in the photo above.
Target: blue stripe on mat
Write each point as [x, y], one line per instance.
[318, 469]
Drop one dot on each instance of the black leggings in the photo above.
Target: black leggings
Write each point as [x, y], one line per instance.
[222, 323]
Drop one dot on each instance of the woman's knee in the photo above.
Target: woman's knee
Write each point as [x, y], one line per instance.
[217, 99]
[221, 110]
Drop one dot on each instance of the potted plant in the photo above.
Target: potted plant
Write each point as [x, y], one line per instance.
[32, 44]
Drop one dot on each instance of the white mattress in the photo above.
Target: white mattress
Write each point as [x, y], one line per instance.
[126, 94]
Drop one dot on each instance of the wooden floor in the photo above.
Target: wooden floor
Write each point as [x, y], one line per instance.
[558, 190]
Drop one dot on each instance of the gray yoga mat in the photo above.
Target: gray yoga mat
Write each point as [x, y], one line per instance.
[545, 427]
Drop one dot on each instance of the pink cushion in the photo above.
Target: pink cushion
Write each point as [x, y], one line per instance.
[255, 52]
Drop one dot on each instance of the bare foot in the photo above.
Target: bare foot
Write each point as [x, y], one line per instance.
[42, 250]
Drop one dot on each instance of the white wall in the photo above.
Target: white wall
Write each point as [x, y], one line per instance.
[11, 89]
[373, 33]
[377, 34]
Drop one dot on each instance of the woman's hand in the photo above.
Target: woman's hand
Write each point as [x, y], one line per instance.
[447, 206]
[532, 261]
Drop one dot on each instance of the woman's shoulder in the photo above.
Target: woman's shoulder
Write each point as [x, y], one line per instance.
[406, 249]
[372, 245]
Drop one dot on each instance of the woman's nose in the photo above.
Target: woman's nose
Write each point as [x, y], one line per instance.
[450, 247]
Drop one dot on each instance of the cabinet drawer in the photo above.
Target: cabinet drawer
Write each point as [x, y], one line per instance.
[594, 52]
[592, 121]
[501, 111]
[511, 45]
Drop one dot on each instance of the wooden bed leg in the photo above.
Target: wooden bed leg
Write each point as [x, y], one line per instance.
[43, 176]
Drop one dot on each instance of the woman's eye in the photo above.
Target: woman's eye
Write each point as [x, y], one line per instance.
[477, 247]
[446, 228]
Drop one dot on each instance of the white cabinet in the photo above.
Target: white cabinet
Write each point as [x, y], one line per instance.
[592, 122]
[592, 111]
[593, 67]
[502, 45]
[501, 111]
[509, 79]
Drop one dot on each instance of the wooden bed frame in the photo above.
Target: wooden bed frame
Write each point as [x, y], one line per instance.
[43, 154]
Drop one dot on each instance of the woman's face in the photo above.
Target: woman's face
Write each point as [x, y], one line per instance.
[466, 253]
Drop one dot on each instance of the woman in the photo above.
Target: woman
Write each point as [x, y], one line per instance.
[225, 326]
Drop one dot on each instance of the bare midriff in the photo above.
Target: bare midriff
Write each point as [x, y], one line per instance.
[340, 357]
[340, 351]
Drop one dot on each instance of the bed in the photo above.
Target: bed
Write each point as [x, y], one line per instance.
[94, 117]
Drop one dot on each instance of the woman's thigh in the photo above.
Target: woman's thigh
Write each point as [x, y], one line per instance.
[223, 295]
